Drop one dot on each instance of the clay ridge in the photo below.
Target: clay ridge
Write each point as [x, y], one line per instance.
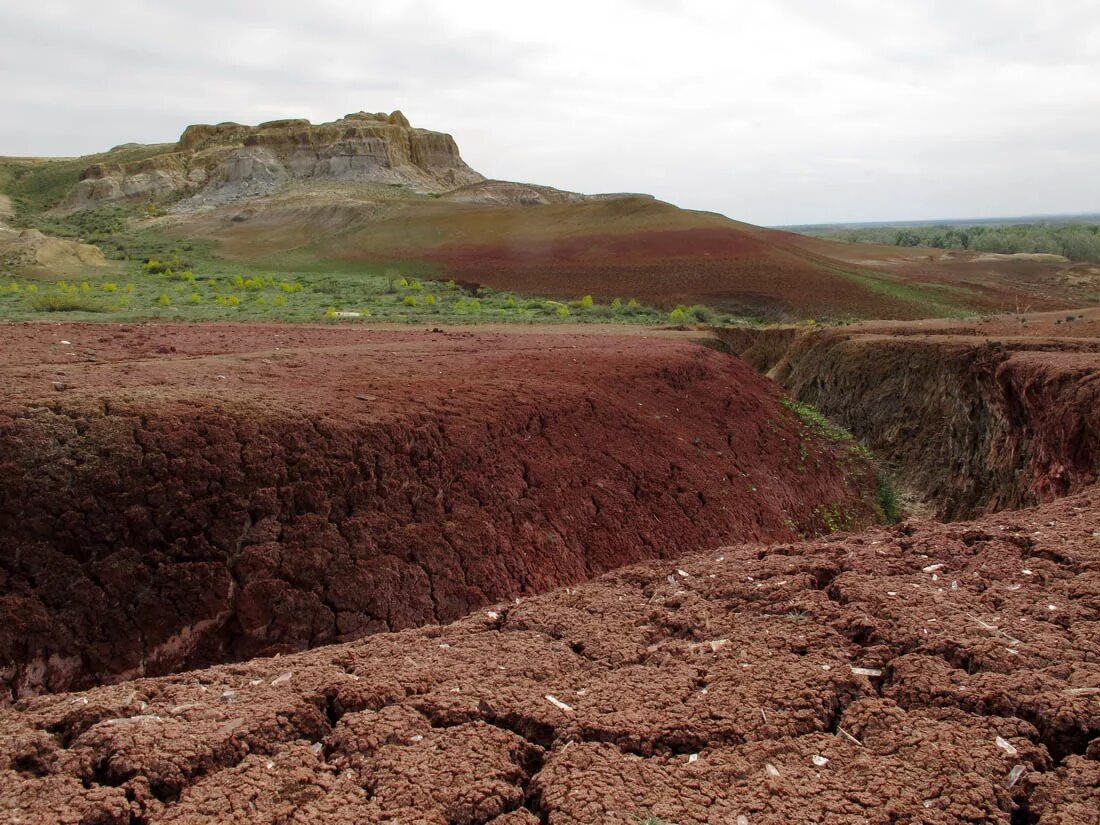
[170, 510]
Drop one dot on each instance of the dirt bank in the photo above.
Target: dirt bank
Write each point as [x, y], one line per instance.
[177, 496]
[975, 416]
[922, 673]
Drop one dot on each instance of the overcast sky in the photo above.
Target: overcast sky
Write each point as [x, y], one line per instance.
[773, 112]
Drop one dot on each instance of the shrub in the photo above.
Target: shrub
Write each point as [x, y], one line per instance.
[65, 303]
[586, 302]
[632, 303]
[414, 285]
[678, 315]
[280, 300]
[888, 500]
[196, 298]
[164, 299]
[409, 301]
[451, 284]
[429, 300]
[562, 312]
[703, 314]
[616, 303]
[290, 287]
[109, 287]
[330, 312]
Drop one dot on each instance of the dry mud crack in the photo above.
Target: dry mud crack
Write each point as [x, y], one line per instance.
[921, 673]
[924, 672]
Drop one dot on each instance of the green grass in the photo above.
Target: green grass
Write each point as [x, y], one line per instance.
[816, 422]
[186, 290]
[173, 279]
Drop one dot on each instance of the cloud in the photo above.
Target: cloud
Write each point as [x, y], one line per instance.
[791, 111]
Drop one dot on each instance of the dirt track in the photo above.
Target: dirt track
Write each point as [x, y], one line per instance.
[947, 673]
[178, 496]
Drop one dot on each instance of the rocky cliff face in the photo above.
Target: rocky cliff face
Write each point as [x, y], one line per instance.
[224, 162]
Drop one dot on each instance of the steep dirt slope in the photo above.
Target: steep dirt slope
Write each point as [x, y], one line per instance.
[925, 673]
[976, 415]
[175, 496]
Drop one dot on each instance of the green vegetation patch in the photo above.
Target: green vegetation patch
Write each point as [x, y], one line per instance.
[1076, 241]
[816, 422]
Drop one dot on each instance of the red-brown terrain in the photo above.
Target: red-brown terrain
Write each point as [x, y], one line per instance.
[976, 415]
[178, 496]
[919, 673]
[924, 672]
[634, 246]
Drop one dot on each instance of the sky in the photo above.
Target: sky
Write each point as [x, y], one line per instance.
[792, 111]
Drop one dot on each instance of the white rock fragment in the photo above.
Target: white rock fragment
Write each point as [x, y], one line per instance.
[281, 678]
[742, 819]
[1006, 746]
[771, 769]
[866, 671]
[66, 343]
[1014, 775]
[128, 719]
[317, 747]
[932, 568]
[1026, 572]
[558, 703]
[820, 761]
[693, 758]
[492, 614]
[683, 573]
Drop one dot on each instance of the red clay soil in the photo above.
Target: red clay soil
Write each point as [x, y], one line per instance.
[639, 247]
[921, 673]
[178, 496]
[976, 415]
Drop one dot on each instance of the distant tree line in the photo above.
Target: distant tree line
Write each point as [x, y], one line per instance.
[1076, 241]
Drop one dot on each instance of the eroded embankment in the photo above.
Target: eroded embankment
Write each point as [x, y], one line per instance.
[924, 673]
[174, 497]
[974, 417]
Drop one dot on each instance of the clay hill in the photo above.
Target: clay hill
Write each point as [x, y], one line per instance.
[372, 189]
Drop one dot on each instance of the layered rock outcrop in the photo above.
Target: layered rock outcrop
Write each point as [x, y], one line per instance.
[30, 249]
[218, 163]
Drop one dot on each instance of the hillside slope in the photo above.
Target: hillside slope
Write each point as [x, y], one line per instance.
[371, 189]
